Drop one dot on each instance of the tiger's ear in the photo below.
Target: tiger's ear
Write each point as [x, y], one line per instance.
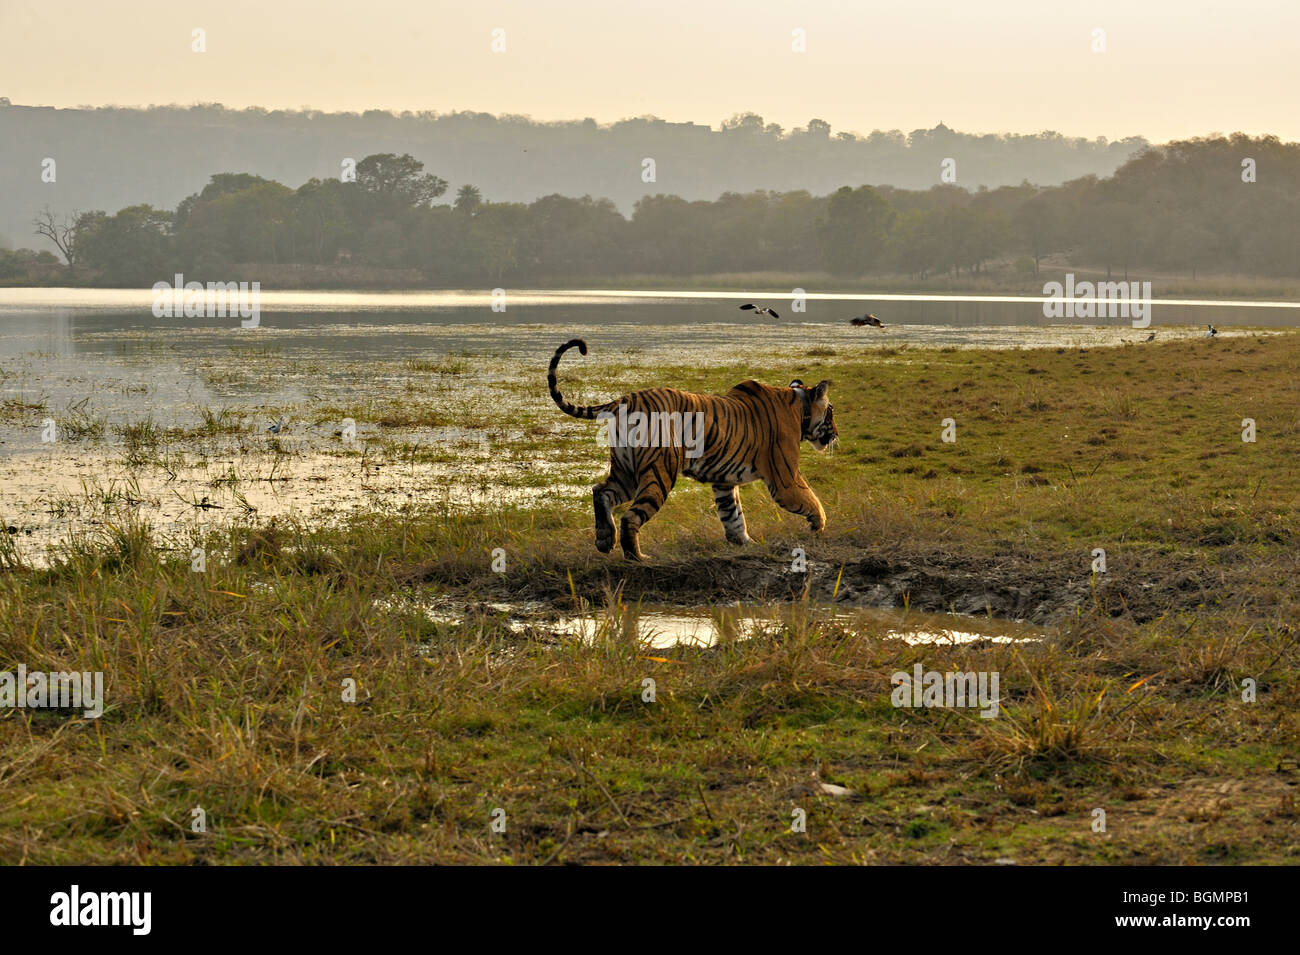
[797, 383]
[819, 392]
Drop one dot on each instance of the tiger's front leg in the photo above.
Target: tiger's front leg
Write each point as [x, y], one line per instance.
[727, 497]
[798, 498]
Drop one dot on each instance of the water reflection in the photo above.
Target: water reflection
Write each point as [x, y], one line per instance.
[661, 627]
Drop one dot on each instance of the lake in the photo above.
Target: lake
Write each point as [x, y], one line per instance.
[108, 324]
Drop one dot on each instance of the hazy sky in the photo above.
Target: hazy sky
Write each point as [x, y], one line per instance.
[1171, 68]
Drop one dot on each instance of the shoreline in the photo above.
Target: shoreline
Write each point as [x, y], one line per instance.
[1232, 289]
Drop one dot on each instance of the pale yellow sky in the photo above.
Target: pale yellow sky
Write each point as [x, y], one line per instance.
[1171, 68]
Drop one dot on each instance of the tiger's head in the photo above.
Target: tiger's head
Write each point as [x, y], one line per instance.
[818, 426]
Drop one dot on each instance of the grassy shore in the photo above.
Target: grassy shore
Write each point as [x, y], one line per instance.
[225, 688]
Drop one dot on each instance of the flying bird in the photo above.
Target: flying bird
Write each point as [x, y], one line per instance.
[1212, 331]
[867, 320]
[1151, 337]
[759, 310]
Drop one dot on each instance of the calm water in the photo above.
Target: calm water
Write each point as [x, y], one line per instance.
[108, 322]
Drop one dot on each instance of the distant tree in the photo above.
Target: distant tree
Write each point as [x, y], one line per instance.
[1191, 246]
[132, 247]
[743, 123]
[852, 236]
[1270, 243]
[220, 184]
[320, 219]
[11, 266]
[25, 264]
[383, 245]
[62, 231]
[400, 178]
[1037, 228]
[986, 237]
[255, 224]
[468, 199]
[224, 183]
[495, 237]
[438, 241]
[913, 243]
[1111, 234]
[574, 236]
[668, 234]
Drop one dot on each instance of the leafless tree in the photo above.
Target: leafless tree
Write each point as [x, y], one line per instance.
[62, 231]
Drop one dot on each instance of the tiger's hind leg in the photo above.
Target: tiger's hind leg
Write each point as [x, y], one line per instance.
[615, 490]
[727, 497]
[650, 496]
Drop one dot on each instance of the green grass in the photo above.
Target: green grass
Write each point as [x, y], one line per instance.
[224, 688]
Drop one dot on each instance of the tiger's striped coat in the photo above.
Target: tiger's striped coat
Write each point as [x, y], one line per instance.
[751, 433]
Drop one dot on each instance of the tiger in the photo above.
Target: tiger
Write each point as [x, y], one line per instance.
[751, 433]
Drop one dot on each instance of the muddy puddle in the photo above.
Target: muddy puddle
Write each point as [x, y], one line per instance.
[660, 627]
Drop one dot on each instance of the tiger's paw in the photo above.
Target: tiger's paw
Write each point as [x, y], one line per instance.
[739, 541]
[632, 551]
[605, 541]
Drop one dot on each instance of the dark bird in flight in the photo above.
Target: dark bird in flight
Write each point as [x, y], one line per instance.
[759, 310]
[867, 320]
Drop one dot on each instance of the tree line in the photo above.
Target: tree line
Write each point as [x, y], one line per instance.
[1222, 204]
[110, 157]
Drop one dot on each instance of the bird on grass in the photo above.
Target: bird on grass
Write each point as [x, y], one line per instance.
[867, 320]
[759, 310]
[1212, 331]
[278, 426]
[1151, 337]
